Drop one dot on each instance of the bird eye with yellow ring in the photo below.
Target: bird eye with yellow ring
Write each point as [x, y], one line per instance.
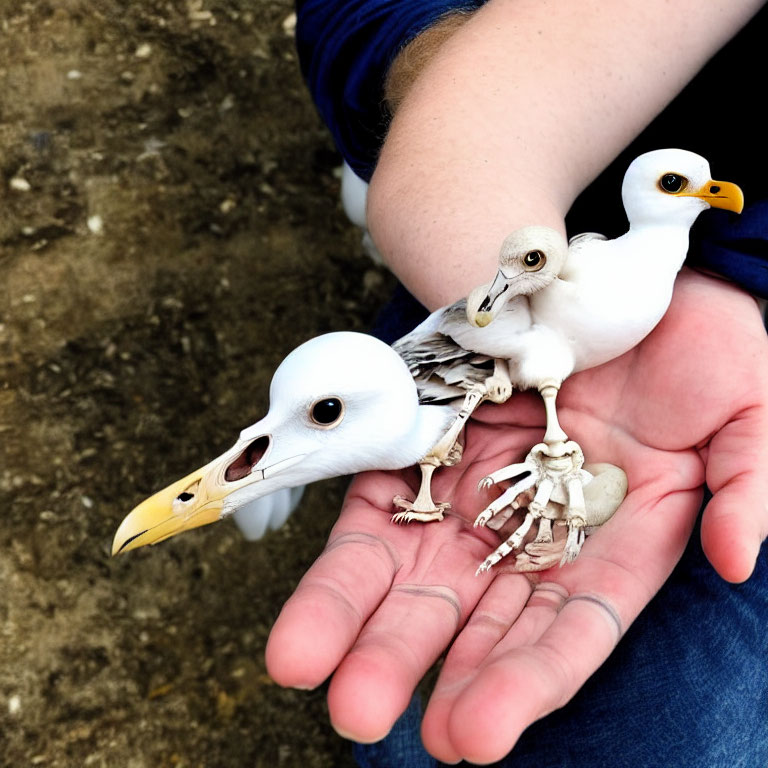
[327, 412]
[673, 183]
[533, 261]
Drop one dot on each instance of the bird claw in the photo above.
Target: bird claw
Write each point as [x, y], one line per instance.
[487, 564]
[552, 491]
[410, 513]
[483, 518]
[485, 483]
[573, 543]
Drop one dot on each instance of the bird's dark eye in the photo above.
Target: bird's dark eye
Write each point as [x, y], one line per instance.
[534, 260]
[673, 183]
[327, 411]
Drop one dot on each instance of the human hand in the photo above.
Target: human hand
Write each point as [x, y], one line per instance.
[383, 602]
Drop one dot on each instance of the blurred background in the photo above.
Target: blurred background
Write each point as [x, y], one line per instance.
[169, 231]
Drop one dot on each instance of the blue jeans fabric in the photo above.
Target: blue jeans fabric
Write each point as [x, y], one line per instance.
[687, 687]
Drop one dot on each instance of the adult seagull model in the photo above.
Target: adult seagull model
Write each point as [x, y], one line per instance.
[609, 295]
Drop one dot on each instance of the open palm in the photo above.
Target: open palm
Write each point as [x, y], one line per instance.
[383, 602]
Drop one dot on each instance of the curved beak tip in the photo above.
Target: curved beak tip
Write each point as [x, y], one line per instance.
[122, 542]
[725, 195]
[482, 319]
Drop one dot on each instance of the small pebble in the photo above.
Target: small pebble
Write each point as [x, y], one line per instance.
[96, 224]
[74, 74]
[144, 51]
[289, 24]
[20, 184]
[14, 705]
[87, 502]
[202, 16]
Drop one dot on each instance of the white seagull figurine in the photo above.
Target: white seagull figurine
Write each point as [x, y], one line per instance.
[609, 295]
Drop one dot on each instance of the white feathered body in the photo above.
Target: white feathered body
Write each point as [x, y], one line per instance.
[605, 301]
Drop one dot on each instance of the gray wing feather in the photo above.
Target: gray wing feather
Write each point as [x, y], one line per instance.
[442, 369]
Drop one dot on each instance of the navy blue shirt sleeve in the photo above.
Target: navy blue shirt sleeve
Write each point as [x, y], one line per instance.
[345, 50]
[347, 46]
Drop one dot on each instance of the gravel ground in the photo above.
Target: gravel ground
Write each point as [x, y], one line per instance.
[169, 231]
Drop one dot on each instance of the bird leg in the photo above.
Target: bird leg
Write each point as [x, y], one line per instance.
[579, 500]
[550, 485]
[422, 508]
[554, 436]
[544, 536]
[498, 386]
[447, 451]
[559, 447]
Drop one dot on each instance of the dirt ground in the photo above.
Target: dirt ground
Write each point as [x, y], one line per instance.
[169, 230]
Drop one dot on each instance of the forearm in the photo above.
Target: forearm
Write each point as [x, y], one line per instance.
[515, 114]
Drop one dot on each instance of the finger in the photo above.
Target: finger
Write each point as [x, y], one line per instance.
[375, 681]
[524, 678]
[322, 619]
[735, 522]
[525, 683]
[430, 599]
[489, 624]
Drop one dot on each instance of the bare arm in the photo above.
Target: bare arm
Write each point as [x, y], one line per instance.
[515, 114]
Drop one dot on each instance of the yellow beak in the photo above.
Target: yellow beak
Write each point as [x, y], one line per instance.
[484, 303]
[195, 500]
[720, 194]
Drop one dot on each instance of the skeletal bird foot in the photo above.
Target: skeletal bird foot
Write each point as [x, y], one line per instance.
[551, 490]
[538, 556]
[412, 510]
[574, 542]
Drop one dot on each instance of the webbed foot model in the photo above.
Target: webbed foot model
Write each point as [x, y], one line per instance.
[554, 491]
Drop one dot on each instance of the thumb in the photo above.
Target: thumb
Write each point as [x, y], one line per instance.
[735, 522]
